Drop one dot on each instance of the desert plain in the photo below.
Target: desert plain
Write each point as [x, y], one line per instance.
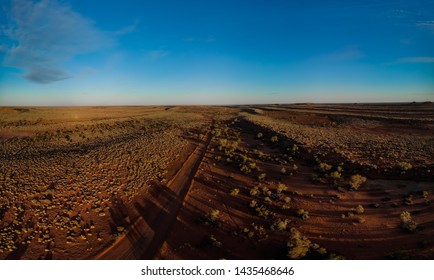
[276, 181]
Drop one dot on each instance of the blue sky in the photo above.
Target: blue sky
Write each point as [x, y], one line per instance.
[77, 52]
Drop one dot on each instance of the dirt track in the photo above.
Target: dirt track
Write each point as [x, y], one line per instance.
[158, 213]
[157, 187]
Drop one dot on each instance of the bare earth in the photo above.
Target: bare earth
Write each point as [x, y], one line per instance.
[234, 182]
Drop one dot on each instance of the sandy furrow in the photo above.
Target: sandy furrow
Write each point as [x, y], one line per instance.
[147, 234]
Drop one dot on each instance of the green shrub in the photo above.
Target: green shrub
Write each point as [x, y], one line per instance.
[216, 132]
[235, 192]
[407, 222]
[323, 167]
[254, 191]
[303, 214]
[223, 143]
[298, 245]
[356, 181]
[214, 215]
[214, 242]
[252, 165]
[335, 175]
[253, 203]
[285, 207]
[280, 225]
[262, 211]
[359, 209]
[404, 166]
[245, 169]
[281, 187]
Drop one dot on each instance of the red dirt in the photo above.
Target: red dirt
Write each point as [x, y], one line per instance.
[158, 211]
[379, 236]
[158, 185]
[10, 134]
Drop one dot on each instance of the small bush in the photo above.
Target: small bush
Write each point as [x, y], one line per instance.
[359, 209]
[298, 245]
[356, 181]
[252, 165]
[254, 191]
[263, 212]
[267, 199]
[214, 242]
[210, 219]
[262, 176]
[245, 169]
[303, 214]
[235, 192]
[285, 207]
[280, 225]
[274, 139]
[259, 135]
[281, 187]
[253, 203]
[407, 222]
[335, 175]
[404, 166]
[323, 167]
[214, 215]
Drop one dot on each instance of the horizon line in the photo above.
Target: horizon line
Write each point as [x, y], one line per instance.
[234, 104]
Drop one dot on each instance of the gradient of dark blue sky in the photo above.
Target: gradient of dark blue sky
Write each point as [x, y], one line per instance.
[215, 52]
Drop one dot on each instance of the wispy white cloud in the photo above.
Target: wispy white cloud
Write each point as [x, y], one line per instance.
[128, 29]
[416, 59]
[399, 13]
[157, 54]
[47, 33]
[429, 24]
